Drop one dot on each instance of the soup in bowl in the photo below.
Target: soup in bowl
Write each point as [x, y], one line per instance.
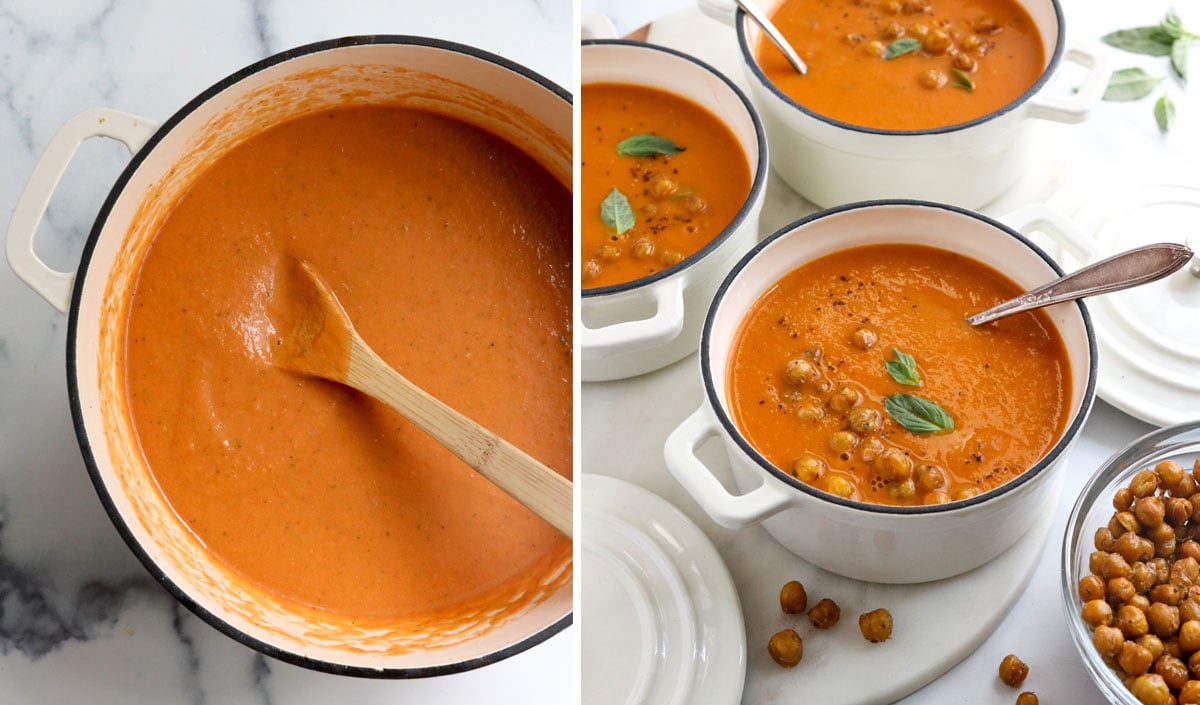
[673, 176]
[923, 102]
[865, 421]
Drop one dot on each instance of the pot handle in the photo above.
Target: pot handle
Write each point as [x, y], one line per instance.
[728, 510]
[1057, 227]
[661, 328]
[1075, 108]
[55, 286]
[593, 25]
[724, 11]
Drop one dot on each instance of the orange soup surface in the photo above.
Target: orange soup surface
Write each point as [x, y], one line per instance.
[451, 251]
[672, 204]
[832, 365]
[905, 64]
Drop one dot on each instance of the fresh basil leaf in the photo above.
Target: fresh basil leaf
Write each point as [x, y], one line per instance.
[1179, 57]
[1130, 84]
[1164, 113]
[616, 212]
[1154, 41]
[962, 80]
[1173, 25]
[903, 368]
[919, 416]
[902, 46]
[647, 146]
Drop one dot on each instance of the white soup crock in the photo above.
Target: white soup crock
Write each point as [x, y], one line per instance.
[632, 328]
[474, 86]
[859, 540]
[830, 162]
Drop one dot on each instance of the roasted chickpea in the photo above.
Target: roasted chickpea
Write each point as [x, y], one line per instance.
[932, 78]
[904, 489]
[842, 441]
[1185, 572]
[838, 485]
[1027, 698]
[1189, 548]
[808, 468]
[793, 599]
[1091, 587]
[864, 420]
[1139, 601]
[1013, 671]
[1143, 484]
[1097, 613]
[1189, 636]
[1123, 522]
[824, 614]
[1096, 561]
[1142, 577]
[1134, 658]
[811, 411]
[930, 478]
[643, 248]
[1115, 566]
[1189, 694]
[671, 257]
[1189, 609]
[864, 337]
[986, 25]
[1169, 472]
[1151, 689]
[1149, 511]
[786, 648]
[591, 270]
[964, 62]
[891, 7]
[662, 187]
[608, 253]
[936, 42]
[1103, 539]
[913, 7]
[1194, 665]
[1172, 670]
[844, 399]
[875, 47]
[1122, 499]
[969, 42]
[1132, 547]
[919, 30]
[800, 371]
[961, 493]
[1120, 590]
[1108, 640]
[895, 464]
[876, 625]
[1167, 593]
[1131, 621]
[1163, 619]
[1152, 644]
[696, 205]
[937, 497]
[894, 30]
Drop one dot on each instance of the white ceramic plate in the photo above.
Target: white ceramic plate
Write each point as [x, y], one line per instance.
[663, 625]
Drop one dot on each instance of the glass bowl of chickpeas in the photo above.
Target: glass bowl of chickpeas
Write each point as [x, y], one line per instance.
[1131, 570]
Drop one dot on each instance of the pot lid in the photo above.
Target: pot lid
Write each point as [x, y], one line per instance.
[1149, 336]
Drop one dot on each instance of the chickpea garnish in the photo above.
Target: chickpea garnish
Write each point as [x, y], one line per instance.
[608, 253]
[591, 270]
[854, 38]
[876, 625]
[808, 468]
[894, 30]
[793, 599]
[824, 614]
[964, 62]
[1013, 670]
[864, 337]
[932, 78]
[864, 420]
[671, 257]
[875, 47]
[661, 187]
[891, 7]
[844, 398]
[1150, 689]
[936, 42]
[786, 648]
[696, 205]
[799, 371]
[643, 248]
[842, 441]
[1027, 698]
[838, 485]
[969, 42]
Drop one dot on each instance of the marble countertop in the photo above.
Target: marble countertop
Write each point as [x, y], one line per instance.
[626, 423]
[80, 619]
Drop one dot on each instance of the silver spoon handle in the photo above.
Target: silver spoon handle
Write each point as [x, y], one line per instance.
[760, 18]
[1137, 266]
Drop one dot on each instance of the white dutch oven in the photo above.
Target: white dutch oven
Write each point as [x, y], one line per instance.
[632, 328]
[856, 539]
[831, 162]
[466, 83]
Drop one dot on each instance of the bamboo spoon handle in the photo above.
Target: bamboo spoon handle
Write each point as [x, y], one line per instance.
[531, 483]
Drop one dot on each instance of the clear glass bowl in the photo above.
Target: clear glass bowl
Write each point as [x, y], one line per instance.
[1092, 510]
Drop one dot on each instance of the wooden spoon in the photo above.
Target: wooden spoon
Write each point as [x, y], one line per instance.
[319, 340]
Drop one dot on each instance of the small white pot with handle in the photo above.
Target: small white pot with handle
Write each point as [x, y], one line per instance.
[878, 543]
[969, 164]
[636, 327]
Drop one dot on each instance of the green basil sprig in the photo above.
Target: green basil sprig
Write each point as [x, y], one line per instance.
[1164, 113]
[962, 80]
[647, 146]
[903, 368]
[902, 46]
[919, 416]
[616, 212]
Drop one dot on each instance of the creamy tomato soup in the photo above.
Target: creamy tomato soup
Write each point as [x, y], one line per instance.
[858, 374]
[905, 64]
[674, 169]
[451, 251]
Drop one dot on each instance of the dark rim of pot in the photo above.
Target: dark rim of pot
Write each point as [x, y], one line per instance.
[1051, 65]
[757, 185]
[718, 405]
[73, 381]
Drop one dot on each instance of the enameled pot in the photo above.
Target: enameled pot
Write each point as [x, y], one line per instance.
[856, 539]
[969, 164]
[462, 82]
[636, 327]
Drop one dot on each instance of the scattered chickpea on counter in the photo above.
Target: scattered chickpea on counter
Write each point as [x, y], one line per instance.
[1013, 671]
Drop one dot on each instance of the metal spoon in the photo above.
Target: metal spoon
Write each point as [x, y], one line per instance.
[1121, 271]
[760, 18]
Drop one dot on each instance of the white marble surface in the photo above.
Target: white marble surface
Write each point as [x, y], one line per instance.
[80, 620]
[626, 423]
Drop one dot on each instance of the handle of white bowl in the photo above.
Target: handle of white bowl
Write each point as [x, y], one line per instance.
[1056, 226]
[661, 328]
[1075, 108]
[729, 510]
[55, 286]
[724, 11]
[593, 25]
